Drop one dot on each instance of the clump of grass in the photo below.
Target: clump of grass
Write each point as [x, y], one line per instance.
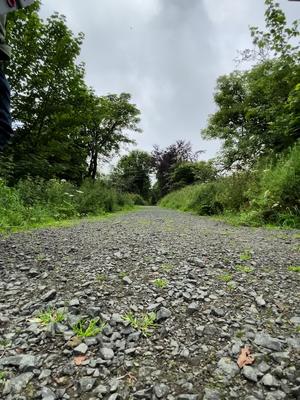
[240, 334]
[246, 256]
[101, 278]
[225, 277]
[50, 316]
[145, 324]
[3, 375]
[294, 268]
[85, 328]
[167, 267]
[244, 268]
[160, 283]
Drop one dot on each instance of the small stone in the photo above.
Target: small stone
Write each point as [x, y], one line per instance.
[86, 384]
[33, 273]
[49, 295]
[228, 367]
[162, 314]
[193, 307]
[270, 381]
[48, 394]
[161, 390]
[114, 384]
[218, 312]
[23, 361]
[295, 321]
[260, 301]
[45, 374]
[74, 302]
[18, 383]
[106, 353]
[74, 342]
[264, 367]
[127, 280]
[101, 389]
[211, 394]
[81, 349]
[264, 340]
[250, 373]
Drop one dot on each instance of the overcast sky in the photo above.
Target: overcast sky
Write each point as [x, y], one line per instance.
[166, 53]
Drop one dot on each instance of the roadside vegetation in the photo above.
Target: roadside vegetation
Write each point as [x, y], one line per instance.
[64, 133]
[258, 122]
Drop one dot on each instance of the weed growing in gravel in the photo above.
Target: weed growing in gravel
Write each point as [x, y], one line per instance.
[4, 342]
[294, 268]
[85, 328]
[101, 278]
[2, 376]
[246, 255]
[240, 334]
[40, 258]
[122, 274]
[225, 277]
[160, 283]
[49, 316]
[167, 267]
[244, 268]
[230, 286]
[144, 324]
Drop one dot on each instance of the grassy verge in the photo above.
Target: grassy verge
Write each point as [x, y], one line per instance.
[36, 204]
[268, 195]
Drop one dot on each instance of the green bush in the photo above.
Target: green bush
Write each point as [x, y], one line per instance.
[33, 202]
[269, 194]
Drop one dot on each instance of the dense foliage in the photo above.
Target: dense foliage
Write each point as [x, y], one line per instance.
[37, 202]
[62, 129]
[132, 174]
[268, 194]
[258, 121]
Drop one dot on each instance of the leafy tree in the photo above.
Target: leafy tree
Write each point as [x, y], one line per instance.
[108, 123]
[257, 109]
[188, 173]
[166, 159]
[47, 86]
[132, 173]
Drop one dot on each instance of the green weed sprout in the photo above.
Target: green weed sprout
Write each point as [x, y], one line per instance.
[50, 316]
[85, 328]
[246, 256]
[225, 277]
[143, 324]
[160, 283]
[294, 268]
[244, 268]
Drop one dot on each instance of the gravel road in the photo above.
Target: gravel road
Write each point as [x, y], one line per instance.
[171, 299]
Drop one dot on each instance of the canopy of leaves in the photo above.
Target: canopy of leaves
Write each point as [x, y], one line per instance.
[258, 110]
[132, 173]
[166, 159]
[62, 128]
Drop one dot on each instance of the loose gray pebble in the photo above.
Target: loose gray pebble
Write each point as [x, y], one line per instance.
[49, 296]
[161, 390]
[162, 314]
[270, 381]
[106, 353]
[81, 349]
[17, 384]
[250, 373]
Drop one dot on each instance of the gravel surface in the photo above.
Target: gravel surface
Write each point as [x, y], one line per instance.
[170, 300]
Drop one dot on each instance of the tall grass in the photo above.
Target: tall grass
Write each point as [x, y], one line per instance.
[37, 202]
[269, 194]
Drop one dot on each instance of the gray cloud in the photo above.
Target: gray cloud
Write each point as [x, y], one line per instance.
[166, 53]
